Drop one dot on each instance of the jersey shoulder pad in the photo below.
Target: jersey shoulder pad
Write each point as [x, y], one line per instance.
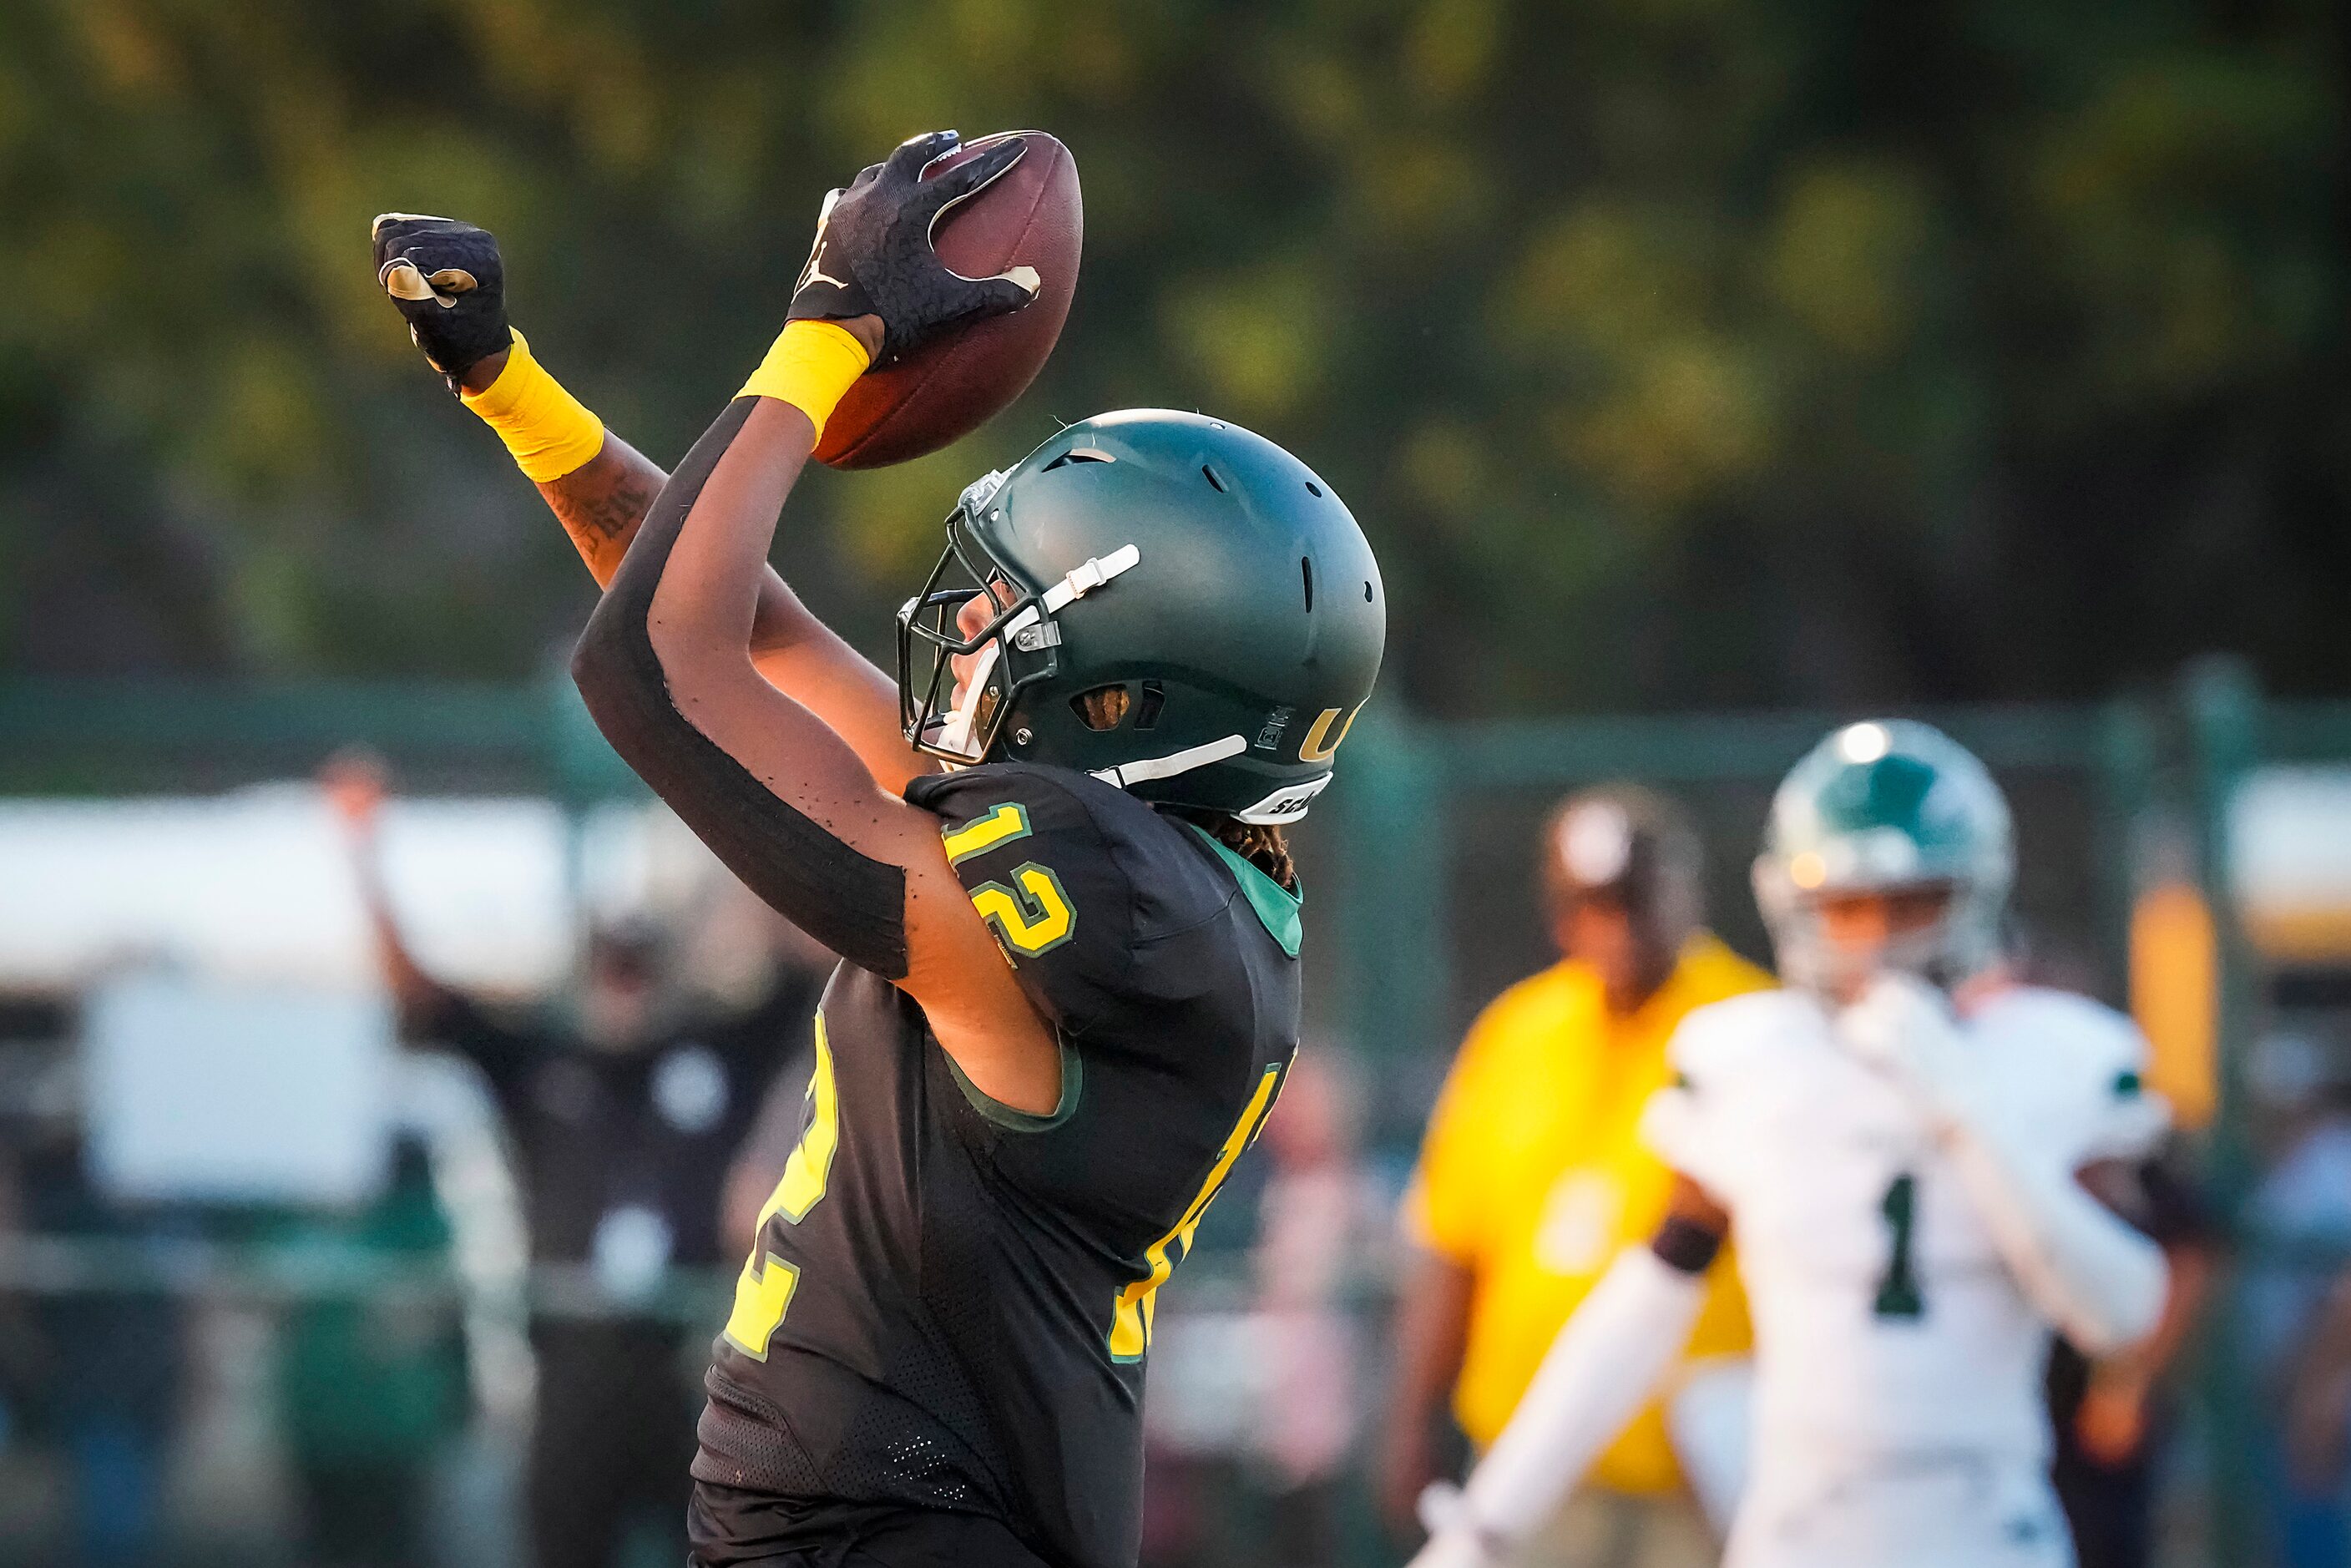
[2095, 1059]
[1690, 1123]
[1074, 877]
[1717, 1043]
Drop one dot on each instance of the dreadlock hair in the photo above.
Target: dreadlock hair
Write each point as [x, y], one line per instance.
[1259, 843]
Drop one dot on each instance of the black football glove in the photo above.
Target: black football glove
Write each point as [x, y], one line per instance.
[873, 255]
[448, 280]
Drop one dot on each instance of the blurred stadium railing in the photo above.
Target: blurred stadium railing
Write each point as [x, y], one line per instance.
[1420, 867]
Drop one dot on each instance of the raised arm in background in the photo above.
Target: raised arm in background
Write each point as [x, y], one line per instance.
[448, 280]
[354, 788]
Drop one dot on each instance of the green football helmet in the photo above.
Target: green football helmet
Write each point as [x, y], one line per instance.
[1205, 582]
[1880, 807]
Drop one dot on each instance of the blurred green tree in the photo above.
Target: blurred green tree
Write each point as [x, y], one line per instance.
[1673, 351]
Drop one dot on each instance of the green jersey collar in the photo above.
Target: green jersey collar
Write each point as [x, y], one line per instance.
[1276, 905]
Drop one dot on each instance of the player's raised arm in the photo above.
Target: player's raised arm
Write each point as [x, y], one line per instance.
[354, 787]
[2098, 1279]
[665, 664]
[448, 280]
[1595, 1377]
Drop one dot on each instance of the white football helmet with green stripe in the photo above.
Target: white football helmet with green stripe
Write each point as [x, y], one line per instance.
[1882, 807]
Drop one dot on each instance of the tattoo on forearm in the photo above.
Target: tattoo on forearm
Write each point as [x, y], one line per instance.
[612, 511]
[602, 505]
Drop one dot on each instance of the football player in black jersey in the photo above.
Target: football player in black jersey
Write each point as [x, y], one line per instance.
[1050, 858]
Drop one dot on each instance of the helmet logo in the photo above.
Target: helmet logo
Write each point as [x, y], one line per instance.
[1319, 743]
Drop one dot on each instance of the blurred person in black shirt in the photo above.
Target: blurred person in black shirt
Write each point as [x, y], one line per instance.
[2111, 1416]
[623, 1123]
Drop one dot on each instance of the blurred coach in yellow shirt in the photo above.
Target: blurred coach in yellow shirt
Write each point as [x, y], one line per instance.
[1531, 1175]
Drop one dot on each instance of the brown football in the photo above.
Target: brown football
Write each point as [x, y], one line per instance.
[1032, 215]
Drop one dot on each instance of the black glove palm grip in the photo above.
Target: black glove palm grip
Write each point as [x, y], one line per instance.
[874, 255]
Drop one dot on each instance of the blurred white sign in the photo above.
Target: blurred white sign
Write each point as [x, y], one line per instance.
[2290, 841]
[2292, 837]
[205, 1090]
[258, 886]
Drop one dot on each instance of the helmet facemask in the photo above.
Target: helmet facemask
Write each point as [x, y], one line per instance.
[1016, 648]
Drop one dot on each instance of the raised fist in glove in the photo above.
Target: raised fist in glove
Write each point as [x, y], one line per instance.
[874, 255]
[448, 280]
[1904, 1027]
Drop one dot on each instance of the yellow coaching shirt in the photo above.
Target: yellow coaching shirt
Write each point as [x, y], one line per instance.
[1532, 1177]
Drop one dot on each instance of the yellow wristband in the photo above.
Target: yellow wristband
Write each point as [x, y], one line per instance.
[811, 366]
[549, 432]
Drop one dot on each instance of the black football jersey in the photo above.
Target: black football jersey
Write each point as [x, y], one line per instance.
[950, 1302]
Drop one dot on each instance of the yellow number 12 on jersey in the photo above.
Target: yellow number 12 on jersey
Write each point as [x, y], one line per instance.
[1129, 1327]
[764, 1293]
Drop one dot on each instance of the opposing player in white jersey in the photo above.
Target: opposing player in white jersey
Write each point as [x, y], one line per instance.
[1907, 1145]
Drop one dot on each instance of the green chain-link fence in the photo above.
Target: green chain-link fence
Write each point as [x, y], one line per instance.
[1423, 848]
